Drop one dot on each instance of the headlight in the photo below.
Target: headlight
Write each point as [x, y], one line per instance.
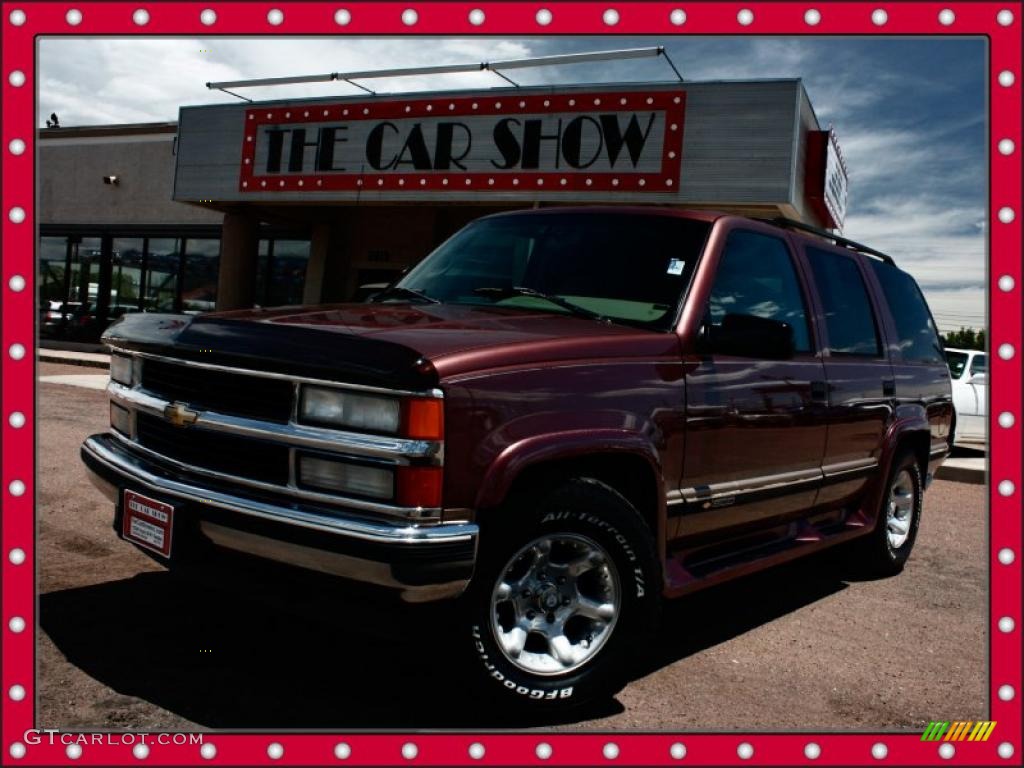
[120, 419]
[357, 479]
[335, 407]
[121, 369]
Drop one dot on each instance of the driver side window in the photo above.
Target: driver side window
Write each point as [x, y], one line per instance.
[756, 277]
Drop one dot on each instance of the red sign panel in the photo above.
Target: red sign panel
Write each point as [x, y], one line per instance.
[496, 142]
[147, 522]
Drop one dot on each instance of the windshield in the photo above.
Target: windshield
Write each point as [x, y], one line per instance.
[956, 362]
[626, 268]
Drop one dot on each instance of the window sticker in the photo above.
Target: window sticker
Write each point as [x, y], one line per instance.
[676, 266]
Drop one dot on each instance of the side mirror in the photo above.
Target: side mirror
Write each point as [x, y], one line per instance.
[749, 336]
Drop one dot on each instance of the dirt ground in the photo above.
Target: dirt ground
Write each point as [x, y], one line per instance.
[124, 645]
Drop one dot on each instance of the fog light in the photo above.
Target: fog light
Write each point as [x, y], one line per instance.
[120, 419]
[356, 479]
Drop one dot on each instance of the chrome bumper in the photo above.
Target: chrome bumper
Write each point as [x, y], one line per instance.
[416, 560]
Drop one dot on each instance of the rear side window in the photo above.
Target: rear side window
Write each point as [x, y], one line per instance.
[756, 277]
[918, 339]
[848, 316]
[979, 365]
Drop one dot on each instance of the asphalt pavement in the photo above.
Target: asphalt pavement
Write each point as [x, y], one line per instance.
[124, 645]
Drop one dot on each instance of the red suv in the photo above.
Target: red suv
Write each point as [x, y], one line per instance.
[558, 417]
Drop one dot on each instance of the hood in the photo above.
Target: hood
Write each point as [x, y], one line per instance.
[390, 345]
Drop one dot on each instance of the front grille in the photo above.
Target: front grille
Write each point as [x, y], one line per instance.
[243, 457]
[221, 391]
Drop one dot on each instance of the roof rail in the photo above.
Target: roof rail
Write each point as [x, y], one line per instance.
[785, 223]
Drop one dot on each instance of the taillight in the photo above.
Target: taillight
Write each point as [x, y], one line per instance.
[419, 486]
[423, 418]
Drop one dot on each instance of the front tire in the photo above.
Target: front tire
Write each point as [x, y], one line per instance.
[885, 551]
[566, 585]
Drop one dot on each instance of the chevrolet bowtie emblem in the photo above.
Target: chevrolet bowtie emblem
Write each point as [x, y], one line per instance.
[180, 415]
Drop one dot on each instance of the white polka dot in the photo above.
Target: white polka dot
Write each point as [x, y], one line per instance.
[597, 102]
[674, 127]
[16, 351]
[209, 17]
[515, 182]
[879, 751]
[1006, 693]
[410, 750]
[490, 182]
[540, 182]
[544, 17]
[610, 17]
[671, 155]
[543, 750]
[812, 17]
[668, 182]
[16, 419]
[423, 182]
[16, 78]
[946, 751]
[17, 17]
[16, 692]
[1005, 19]
[17, 625]
[1006, 351]
[141, 19]
[342, 18]
[678, 17]
[468, 182]
[275, 751]
[745, 751]
[745, 17]
[812, 751]
[615, 182]
[16, 488]
[497, 105]
[1006, 420]
[1006, 146]
[73, 17]
[1006, 283]
[946, 17]
[275, 16]
[1006, 625]
[878, 18]
[141, 751]
[642, 182]
[17, 750]
[17, 556]
[677, 751]
[1006, 556]
[410, 17]
[451, 107]
[476, 750]
[522, 104]
[1006, 488]
[342, 751]
[588, 182]
[16, 283]
[572, 102]
[477, 17]
[1006, 78]
[1005, 750]
[16, 146]
[610, 751]
[1007, 215]
[208, 751]
[73, 751]
[16, 214]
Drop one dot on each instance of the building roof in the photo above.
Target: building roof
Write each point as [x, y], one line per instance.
[120, 129]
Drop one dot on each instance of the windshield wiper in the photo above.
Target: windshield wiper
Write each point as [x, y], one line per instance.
[409, 293]
[518, 290]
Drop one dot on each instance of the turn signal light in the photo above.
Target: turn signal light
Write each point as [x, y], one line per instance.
[419, 486]
[424, 418]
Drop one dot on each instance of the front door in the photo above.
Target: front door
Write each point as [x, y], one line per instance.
[755, 427]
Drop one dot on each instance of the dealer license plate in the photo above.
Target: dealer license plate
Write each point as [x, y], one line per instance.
[148, 522]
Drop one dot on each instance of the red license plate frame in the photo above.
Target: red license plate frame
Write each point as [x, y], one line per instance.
[147, 522]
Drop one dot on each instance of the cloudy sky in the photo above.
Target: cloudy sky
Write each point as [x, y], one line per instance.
[910, 113]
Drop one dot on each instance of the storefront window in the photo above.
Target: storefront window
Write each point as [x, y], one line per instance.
[126, 263]
[53, 255]
[288, 272]
[199, 289]
[162, 264]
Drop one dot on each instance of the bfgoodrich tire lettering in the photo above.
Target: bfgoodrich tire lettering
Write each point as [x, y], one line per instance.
[566, 584]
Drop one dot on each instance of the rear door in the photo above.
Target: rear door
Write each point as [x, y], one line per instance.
[861, 386]
[755, 427]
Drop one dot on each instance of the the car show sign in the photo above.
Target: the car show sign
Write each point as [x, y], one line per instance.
[579, 141]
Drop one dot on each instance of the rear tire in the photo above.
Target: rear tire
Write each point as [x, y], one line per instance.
[567, 587]
[885, 551]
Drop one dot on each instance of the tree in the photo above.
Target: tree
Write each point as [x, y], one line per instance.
[965, 338]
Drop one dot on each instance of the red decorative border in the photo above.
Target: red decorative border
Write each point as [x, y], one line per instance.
[672, 103]
[514, 18]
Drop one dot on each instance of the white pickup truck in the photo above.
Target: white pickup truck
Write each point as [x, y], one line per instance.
[968, 368]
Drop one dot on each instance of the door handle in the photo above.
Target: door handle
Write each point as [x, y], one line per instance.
[888, 387]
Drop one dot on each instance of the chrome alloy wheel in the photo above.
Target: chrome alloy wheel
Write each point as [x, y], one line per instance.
[899, 509]
[555, 604]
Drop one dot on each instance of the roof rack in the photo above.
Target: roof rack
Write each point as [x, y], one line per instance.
[781, 221]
